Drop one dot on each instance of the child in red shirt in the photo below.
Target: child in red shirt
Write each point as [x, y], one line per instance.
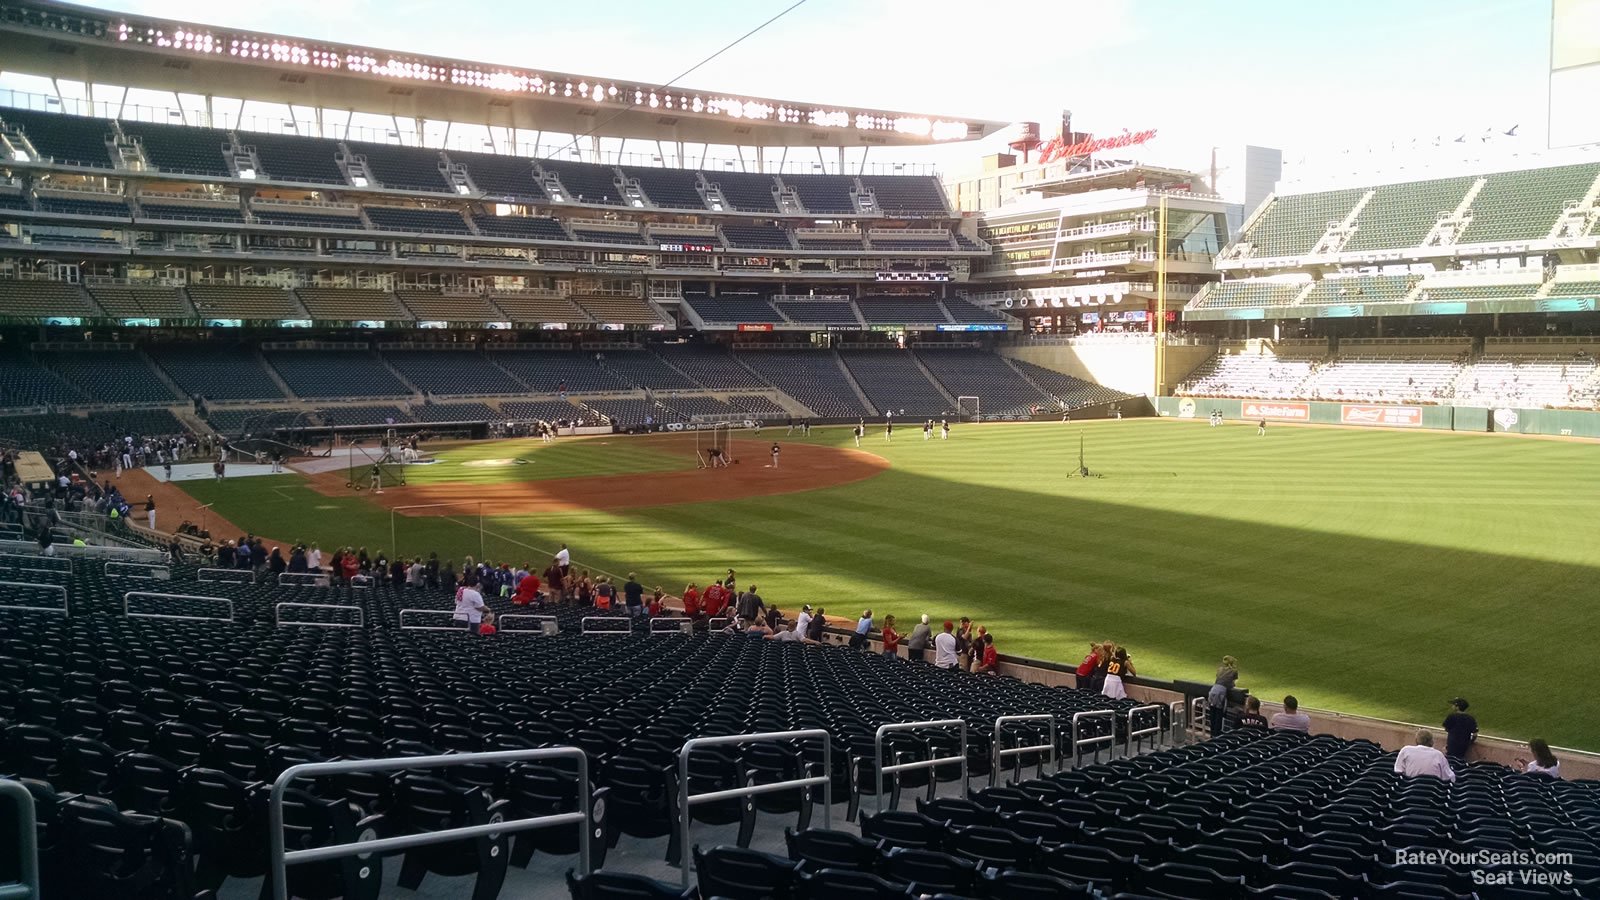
[653, 608]
[487, 626]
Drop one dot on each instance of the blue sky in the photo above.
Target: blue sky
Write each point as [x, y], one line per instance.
[1312, 78]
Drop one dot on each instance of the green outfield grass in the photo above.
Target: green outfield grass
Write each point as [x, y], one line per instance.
[1379, 572]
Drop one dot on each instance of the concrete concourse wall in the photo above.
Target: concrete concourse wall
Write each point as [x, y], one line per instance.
[1127, 367]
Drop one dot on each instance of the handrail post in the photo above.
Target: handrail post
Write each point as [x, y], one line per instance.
[881, 770]
[999, 755]
[281, 859]
[27, 843]
[583, 625]
[686, 800]
[1078, 741]
[1134, 736]
[1177, 722]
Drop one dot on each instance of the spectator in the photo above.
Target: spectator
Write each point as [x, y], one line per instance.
[917, 644]
[1090, 662]
[1119, 666]
[564, 559]
[1252, 717]
[792, 633]
[863, 628]
[819, 625]
[715, 599]
[488, 624]
[552, 577]
[1097, 680]
[654, 608]
[527, 591]
[633, 595]
[1421, 759]
[605, 593]
[729, 584]
[447, 575]
[944, 647]
[1217, 697]
[988, 660]
[963, 642]
[750, 607]
[1460, 729]
[276, 564]
[803, 620]
[1291, 719]
[691, 601]
[1543, 762]
[469, 605]
[891, 638]
[150, 510]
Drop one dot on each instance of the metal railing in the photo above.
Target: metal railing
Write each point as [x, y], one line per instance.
[277, 615]
[687, 800]
[66, 604]
[143, 571]
[27, 884]
[1079, 741]
[67, 550]
[1176, 723]
[282, 858]
[227, 576]
[548, 625]
[882, 770]
[1199, 719]
[673, 626]
[583, 625]
[127, 601]
[1154, 730]
[457, 626]
[719, 623]
[1049, 749]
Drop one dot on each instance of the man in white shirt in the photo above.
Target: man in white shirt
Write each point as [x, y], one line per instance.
[1291, 719]
[469, 607]
[1422, 759]
[802, 622]
[944, 648]
[563, 559]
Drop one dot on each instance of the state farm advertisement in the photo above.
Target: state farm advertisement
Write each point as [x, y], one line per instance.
[1397, 416]
[1266, 409]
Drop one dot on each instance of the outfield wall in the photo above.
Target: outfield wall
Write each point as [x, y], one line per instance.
[1555, 422]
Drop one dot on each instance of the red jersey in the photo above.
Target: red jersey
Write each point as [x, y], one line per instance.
[691, 602]
[990, 657]
[891, 639]
[487, 629]
[653, 608]
[527, 589]
[716, 599]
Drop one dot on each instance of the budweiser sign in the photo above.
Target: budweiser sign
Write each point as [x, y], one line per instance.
[1294, 412]
[1057, 148]
[1398, 416]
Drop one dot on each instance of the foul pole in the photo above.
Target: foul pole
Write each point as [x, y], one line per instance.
[1161, 296]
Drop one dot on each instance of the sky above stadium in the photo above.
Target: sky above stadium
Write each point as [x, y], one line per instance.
[1314, 79]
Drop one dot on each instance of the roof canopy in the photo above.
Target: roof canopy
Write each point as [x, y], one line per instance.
[96, 46]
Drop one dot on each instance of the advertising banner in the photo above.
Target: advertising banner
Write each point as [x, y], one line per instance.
[1276, 409]
[1399, 416]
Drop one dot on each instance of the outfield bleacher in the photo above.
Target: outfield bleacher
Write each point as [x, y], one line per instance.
[814, 379]
[712, 367]
[891, 379]
[1000, 389]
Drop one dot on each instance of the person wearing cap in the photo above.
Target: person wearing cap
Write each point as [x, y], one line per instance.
[917, 643]
[944, 647]
[1460, 729]
[802, 622]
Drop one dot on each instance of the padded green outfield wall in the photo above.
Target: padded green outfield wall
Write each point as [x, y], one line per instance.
[1564, 422]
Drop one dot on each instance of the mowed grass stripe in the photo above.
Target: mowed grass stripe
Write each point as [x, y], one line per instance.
[1373, 571]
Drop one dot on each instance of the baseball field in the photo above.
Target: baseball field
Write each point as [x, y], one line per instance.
[1371, 571]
